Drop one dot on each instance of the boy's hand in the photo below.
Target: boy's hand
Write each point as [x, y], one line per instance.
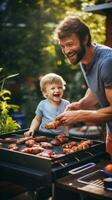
[29, 133]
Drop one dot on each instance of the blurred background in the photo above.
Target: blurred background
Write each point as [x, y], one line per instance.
[27, 47]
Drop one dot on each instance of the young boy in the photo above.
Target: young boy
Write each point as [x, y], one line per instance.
[52, 87]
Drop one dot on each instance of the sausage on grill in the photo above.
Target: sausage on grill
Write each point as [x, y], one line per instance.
[69, 144]
[13, 147]
[55, 142]
[46, 145]
[1, 140]
[1, 145]
[32, 150]
[62, 138]
[40, 138]
[23, 140]
[73, 146]
[48, 153]
[30, 143]
[10, 140]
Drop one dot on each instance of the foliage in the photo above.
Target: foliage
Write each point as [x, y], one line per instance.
[27, 32]
[27, 43]
[7, 124]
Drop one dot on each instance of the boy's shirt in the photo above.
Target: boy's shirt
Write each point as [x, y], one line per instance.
[48, 113]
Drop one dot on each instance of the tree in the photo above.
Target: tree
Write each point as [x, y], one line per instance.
[27, 44]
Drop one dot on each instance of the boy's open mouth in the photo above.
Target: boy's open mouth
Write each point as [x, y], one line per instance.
[56, 95]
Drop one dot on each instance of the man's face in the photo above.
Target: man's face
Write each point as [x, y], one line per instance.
[72, 48]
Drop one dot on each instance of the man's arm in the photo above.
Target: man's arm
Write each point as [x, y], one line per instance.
[89, 116]
[89, 101]
[106, 113]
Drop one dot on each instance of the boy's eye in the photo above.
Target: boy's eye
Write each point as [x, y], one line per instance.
[60, 87]
[53, 88]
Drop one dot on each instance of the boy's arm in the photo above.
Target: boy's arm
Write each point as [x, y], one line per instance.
[34, 125]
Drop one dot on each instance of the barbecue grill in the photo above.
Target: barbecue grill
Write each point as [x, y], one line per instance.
[37, 170]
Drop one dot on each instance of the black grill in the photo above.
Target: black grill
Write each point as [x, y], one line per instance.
[33, 170]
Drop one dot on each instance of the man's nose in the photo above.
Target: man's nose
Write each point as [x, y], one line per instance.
[67, 50]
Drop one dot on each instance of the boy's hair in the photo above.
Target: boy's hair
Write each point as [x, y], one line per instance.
[72, 25]
[50, 79]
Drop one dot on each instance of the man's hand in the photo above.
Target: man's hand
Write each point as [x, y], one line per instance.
[76, 116]
[73, 106]
[69, 117]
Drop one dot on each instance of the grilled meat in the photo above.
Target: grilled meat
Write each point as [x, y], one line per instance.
[62, 138]
[1, 140]
[55, 142]
[1, 145]
[10, 140]
[32, 150]
[53, 125]
[23, 140]
[30, 143]
[69, 144]
[46, 145]
[13, 147]
[40, 138]
[48, 153]
[73, 146]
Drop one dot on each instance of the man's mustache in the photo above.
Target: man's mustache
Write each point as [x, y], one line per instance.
[71, 54]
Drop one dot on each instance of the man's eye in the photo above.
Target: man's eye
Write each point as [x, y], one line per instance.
[70, 45]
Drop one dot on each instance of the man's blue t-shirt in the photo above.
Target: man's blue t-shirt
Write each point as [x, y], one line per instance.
[48, 113]
[99, 75]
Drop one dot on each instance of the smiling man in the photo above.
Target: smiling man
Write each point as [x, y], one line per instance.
[95, 61]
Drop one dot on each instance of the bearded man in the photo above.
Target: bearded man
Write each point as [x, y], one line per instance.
[95, 61]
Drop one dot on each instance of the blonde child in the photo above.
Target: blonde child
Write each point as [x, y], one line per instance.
[52, 86]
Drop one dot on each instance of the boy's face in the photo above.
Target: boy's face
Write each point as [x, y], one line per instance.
[54, 92]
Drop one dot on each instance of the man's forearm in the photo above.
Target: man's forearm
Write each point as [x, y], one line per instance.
[100, 116]
[88, 101]
[87, 104]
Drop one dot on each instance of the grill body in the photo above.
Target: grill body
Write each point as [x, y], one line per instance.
[33, 171]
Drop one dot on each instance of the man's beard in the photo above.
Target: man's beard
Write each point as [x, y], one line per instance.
[79, 55]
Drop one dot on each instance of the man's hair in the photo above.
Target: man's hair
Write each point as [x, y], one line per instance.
[51, 78]
[72, 24]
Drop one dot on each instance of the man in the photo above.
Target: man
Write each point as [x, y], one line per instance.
[96, 64]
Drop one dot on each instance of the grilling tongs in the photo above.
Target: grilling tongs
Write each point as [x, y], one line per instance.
[81, 168]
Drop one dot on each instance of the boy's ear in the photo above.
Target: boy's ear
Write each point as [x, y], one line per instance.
[44, 94]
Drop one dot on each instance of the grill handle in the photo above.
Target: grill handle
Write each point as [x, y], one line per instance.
[82, 168]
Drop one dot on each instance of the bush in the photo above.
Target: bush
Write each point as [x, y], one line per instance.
[7, 124]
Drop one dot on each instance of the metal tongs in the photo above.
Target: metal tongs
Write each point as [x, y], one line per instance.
[81, 168]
